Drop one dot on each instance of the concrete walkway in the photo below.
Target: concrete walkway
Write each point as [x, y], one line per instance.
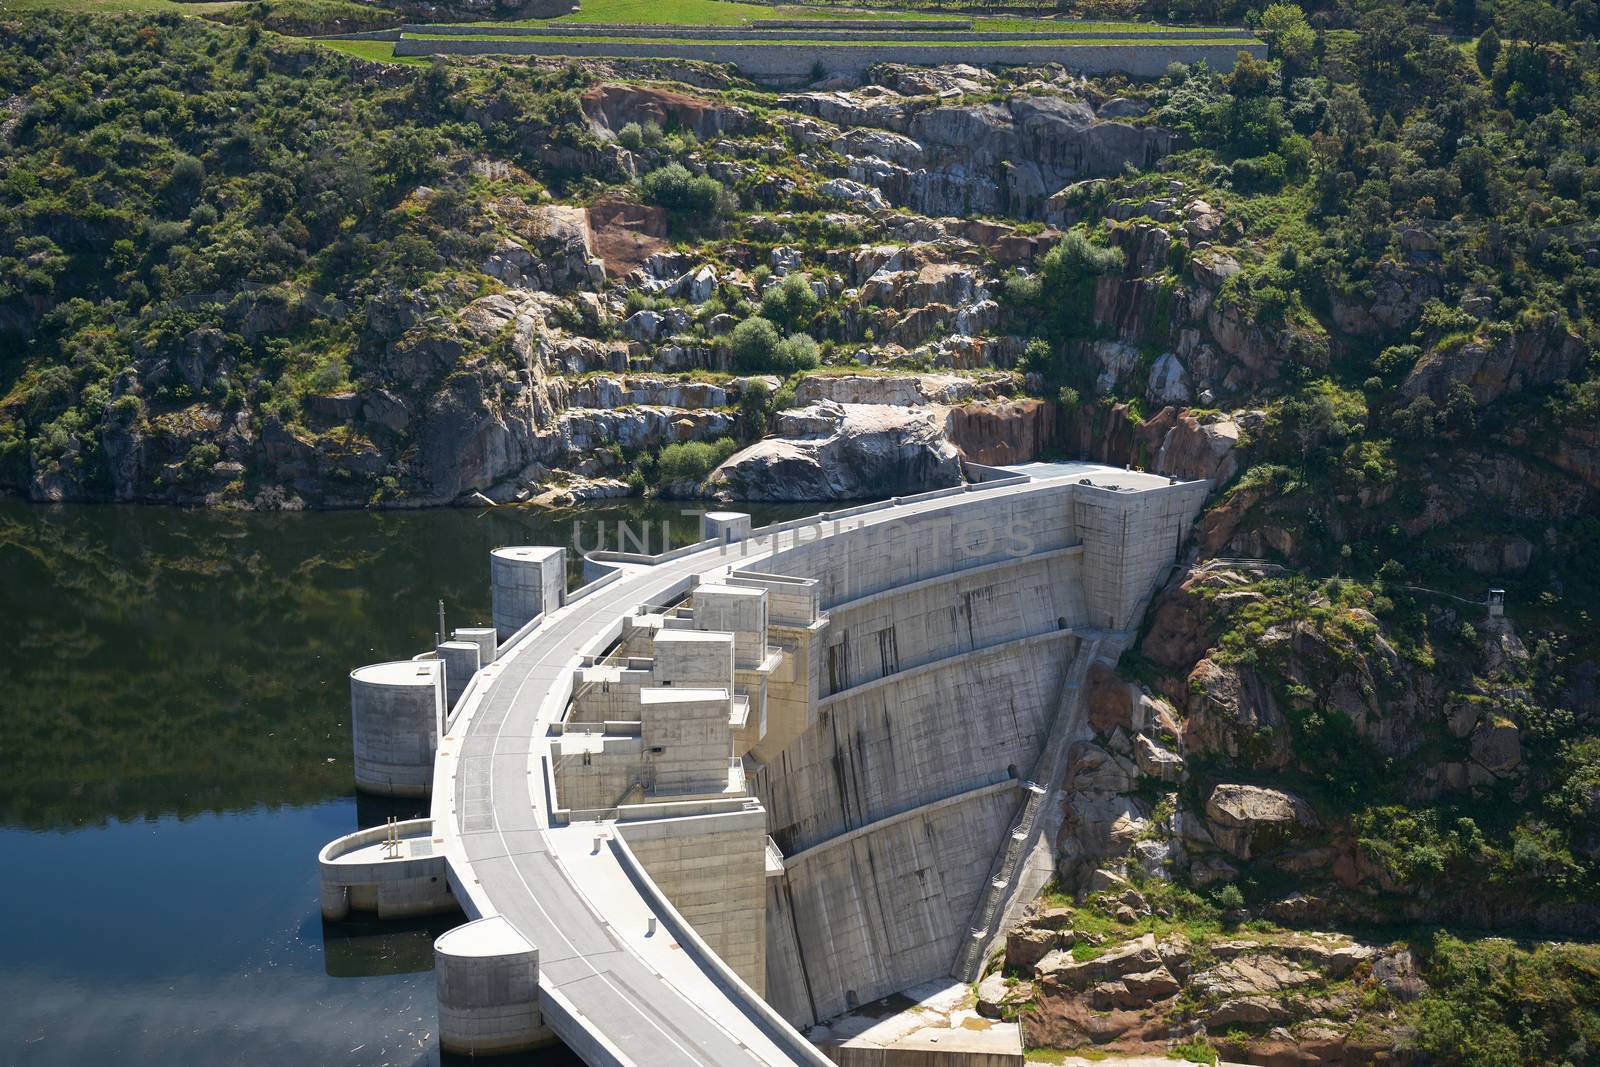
[612, 994]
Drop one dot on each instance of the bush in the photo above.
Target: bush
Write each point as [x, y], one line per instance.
[1067, 277]
[758, 348]
[797, 353]
[791, 303]
[693, 460]
[754, 403]
[683, 195]
[755, 343]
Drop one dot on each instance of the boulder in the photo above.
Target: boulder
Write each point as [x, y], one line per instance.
[1169, 381]
[1159, 763]
[1146, 986]
[1247, 820]
[1256, 1012]
[1231, 711]
[1396, 972]
[643, 325]
[1205, 870]
[1192, 450]
[834, 451]
[852, 192]
[1121, 107]
[1497, 747]
[1133, 957]
[1027, 945]
[1250, 975]
[1201, 222]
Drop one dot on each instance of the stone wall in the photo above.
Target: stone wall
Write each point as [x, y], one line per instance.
[813, 31]
[797, 66]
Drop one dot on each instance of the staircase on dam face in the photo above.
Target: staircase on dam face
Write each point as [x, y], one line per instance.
[1047, 769]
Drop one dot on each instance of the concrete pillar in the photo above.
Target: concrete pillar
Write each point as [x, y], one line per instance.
[484, 638]
[725, 526]
[693, 658]
[396, 713]
[687, 739]
[737, 609]
[460, 659]
[525, 581]
[488, 982]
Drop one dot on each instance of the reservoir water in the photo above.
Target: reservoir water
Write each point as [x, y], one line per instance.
[177, 748]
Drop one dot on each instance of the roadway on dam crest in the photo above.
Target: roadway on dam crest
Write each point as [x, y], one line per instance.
[637, 999]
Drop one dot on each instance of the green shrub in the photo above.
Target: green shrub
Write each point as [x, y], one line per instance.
[758, 348]
[791, 303]
[683, 195]
[754, 404]
[693, 460]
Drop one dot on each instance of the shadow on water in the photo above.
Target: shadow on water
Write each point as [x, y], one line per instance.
[373, 810]
[361, 947]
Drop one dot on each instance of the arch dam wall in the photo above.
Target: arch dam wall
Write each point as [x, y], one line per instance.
[819, 755]
[940, 680]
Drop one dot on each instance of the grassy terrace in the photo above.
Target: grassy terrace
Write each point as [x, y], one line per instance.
[733, 13]
[114, 7]
[689, 38]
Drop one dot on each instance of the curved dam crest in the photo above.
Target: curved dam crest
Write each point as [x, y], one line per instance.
[718, 795]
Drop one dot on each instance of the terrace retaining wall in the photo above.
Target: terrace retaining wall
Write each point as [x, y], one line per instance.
[817, 32]
[796, 66]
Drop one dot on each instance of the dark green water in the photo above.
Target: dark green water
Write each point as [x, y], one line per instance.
[176, 749]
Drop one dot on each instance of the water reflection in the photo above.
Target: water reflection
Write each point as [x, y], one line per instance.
[179, 748]
[363, 948]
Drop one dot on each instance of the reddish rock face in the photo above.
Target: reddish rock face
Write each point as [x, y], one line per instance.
[613, 106]
[1112, 701]
[1012, 431]
[625, 234]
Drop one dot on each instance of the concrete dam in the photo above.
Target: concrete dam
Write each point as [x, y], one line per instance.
[715, 797]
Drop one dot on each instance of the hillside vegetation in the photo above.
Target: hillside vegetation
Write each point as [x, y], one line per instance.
[1353, 284]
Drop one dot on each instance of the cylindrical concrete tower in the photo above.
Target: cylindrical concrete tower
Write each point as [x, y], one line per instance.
[487, 977]
[525, 581]
[396, 712]
[725, 526]
[460, 659]
[483, 637]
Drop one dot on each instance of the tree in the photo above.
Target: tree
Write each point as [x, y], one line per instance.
[790, 303]
[1487, 51]
[1289, 36]
[1067, 280]
[754, 400]
[754, 342]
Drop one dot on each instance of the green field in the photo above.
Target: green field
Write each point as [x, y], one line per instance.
[288, 13]
[380, 51]
[689, 38]
[114, 7]
[734, 13]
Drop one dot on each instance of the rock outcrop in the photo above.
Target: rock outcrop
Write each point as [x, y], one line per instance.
[962, 159]
[831, 451]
